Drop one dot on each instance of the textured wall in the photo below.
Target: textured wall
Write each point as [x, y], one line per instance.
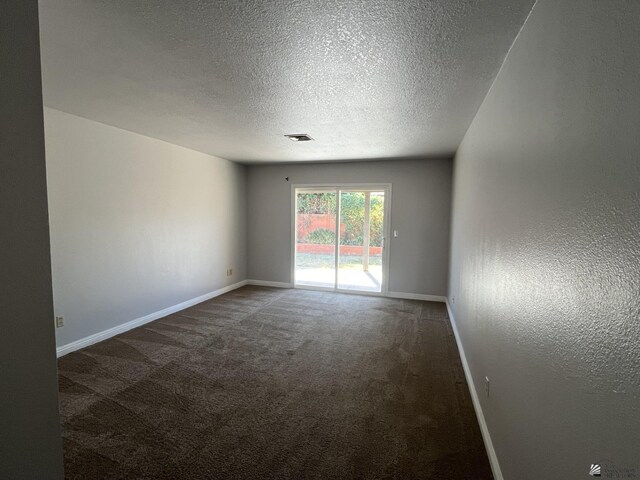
[30, 444]
[420, 211]
[545, 264]
[137, 224]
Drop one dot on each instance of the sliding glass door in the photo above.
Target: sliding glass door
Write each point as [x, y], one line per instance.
[360, 242]
[339, 238]
[315, 252]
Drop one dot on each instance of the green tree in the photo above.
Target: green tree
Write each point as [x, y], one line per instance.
[317, 203]
[351, 214]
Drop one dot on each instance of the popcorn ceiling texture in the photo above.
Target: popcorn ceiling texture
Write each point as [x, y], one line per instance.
[366, 78]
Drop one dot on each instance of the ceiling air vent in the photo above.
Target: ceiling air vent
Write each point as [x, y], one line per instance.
[299, 137]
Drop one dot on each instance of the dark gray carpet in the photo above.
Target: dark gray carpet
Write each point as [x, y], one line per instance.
[267, 383]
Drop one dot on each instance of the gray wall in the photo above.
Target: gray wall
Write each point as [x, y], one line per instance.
[420, 211]
[545, 269]
[30, 443]
[137, 224]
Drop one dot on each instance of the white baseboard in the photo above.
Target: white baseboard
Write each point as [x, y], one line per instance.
[409, 296]
[111, 332]
[266, 283]
[417, 296]
[491, 452]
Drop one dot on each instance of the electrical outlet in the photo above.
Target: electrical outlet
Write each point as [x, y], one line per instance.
[59, 321]
[486, 385]
[229, 272]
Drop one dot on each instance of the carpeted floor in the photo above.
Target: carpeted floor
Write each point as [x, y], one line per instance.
[265, 383]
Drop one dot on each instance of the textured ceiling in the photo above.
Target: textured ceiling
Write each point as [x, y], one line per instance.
[365, 78]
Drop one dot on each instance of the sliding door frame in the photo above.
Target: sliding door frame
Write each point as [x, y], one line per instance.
[338, 188]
